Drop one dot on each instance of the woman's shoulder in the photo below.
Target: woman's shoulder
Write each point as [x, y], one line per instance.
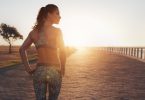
[33, 33]
[57, 29]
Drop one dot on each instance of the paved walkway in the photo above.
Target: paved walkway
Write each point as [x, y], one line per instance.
[90, 75]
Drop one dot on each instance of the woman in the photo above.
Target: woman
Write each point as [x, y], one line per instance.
[48, 40]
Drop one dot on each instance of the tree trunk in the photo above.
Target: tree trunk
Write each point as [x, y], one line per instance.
[10, 48]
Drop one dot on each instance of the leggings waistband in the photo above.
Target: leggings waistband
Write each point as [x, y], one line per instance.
[46, 64]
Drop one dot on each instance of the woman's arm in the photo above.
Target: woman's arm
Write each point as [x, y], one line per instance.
[23, 53]
[62, 52]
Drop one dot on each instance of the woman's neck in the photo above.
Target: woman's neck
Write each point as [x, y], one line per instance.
[47, 26]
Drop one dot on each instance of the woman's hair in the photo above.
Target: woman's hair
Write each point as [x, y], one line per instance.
[42, 15]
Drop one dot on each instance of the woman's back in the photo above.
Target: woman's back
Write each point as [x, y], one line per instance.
[46, 45]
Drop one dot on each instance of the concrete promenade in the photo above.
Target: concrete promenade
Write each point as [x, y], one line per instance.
[90, 75]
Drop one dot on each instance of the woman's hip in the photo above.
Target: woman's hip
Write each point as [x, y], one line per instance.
[46, 72]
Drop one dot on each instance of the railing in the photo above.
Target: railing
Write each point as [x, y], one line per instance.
[136, 52]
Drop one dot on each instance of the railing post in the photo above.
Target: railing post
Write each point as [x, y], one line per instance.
[131, 51]
[119, 50]
[144, 53]
[141, 53]
[134, 52]
[137, 52]
[126, 51]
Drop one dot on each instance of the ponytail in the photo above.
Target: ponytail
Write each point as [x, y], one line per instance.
[42, 15]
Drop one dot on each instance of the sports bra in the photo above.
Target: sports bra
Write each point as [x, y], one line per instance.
[43, 42]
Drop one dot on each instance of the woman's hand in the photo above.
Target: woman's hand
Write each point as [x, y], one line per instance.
[30, 69]
[63, 71]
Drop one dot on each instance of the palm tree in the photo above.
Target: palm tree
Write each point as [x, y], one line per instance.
[9, 34]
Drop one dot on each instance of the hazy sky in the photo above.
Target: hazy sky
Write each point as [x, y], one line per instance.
[83, 22]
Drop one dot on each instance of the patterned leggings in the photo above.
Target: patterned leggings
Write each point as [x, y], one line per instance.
[47, 76]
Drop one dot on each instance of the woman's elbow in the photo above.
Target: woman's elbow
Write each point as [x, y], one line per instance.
[21, 50]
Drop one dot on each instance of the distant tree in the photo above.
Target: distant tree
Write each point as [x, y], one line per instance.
[9, 34]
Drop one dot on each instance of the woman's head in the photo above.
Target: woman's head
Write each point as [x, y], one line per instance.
[47, 14]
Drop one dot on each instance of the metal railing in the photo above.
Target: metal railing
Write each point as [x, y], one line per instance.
[137, 52]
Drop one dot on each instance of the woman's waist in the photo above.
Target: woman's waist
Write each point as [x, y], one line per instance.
[48, 64]
[45, 66]
[48, 59]
[49, 52]
[46, 55]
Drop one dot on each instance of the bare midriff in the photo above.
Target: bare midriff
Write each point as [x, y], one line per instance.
[48, 55]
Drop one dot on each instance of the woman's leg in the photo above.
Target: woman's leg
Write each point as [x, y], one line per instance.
[54, 83]
[40, 83]
[40, 88]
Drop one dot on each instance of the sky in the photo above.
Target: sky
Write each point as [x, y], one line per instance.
[83, 22]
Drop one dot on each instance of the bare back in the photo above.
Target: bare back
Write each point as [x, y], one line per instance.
[46, 44]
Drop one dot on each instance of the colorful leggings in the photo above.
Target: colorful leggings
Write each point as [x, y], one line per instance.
[47, 76]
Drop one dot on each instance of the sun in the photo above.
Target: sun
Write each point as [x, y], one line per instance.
[75, 40]
[83, 30]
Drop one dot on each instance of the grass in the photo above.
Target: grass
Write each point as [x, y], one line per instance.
[7, 60]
